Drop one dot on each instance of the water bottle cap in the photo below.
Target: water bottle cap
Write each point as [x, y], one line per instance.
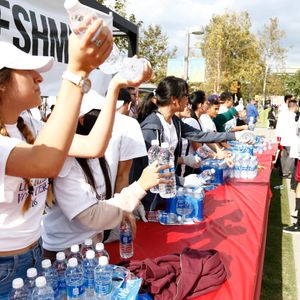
[71, 4]
[213, 171]
[60, 256]
[46, 263]
[74, 248]
[103, 261]
[165, 145]
[90, 254]
[40, 281]
[155, 143]
[88, 242]
[17, 283]
[73, 262]
[31, 272]
[99, 247]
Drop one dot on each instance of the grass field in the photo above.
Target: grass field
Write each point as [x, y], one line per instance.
[279, 267]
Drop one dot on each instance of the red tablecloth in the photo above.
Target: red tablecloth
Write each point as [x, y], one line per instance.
[236, 216]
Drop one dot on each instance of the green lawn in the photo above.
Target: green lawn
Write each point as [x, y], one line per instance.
[279, 268]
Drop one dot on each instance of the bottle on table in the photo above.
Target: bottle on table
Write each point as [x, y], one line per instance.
[166, 157]
[103, 279]
[87, 245]
[126, 240]
[75, 280]
[75, 253]
[30, 280]
[42, 291]
[50, 274]
[153, 154]
[206, 176]
[100, 251]
[60, 265]
[89, 264]
[251, 124]
[19, 291]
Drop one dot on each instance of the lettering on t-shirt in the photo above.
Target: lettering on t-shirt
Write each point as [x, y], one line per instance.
[39, 186]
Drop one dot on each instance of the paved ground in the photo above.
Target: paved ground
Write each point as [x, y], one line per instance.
[269, 134]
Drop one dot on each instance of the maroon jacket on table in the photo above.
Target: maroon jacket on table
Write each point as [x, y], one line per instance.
[181, 276]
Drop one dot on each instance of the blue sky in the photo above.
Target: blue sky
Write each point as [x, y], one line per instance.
[176, 16]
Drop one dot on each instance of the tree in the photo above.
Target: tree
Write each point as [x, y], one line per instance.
[270, 47]
[231, 52]
[292, 84]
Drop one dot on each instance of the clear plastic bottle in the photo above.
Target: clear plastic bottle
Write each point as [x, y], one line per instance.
[126, 240]
[77, 13]
[75, 280]
[252, 171]
[103, 279]
[237, 166]
[206, 176]
[166, 157]
[51, 276]
[198, 195]
[60, 265]
[19, 291]
[244, 166]
[42, 291]
[153, 154]
[89, 265]
[87, 245]
[100, 251]
[251, 125]
[30, 280]
[75, 253]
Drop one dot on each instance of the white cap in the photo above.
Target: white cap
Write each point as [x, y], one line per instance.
[75, 248]
[40, 281]
[46, 263]
[60, 256]
[99, 247]
[90, 254]
[93, 100]
[14, 58]
[165, 145]
[103, 261]
[155, 143]
[71, 5]
[88, 242]
[17, 283]
[213, 171]
[73, 262]
[31, 272]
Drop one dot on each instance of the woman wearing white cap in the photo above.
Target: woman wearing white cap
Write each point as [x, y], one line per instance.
[27, 155]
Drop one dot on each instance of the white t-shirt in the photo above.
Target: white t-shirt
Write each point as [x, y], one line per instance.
[170, 134]
[207, 124]
[18, 230]
[281, 125]
[290, 125]
[127, 142]
[192, 122]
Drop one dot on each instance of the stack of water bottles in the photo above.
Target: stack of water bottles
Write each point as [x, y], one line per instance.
[85, 275]
[222, 171]
[245, 166]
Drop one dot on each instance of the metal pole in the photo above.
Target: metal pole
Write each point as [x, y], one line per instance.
[186, 57]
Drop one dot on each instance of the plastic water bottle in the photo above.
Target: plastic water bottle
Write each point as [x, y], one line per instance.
[237, 167]
[60, 266]
[206, 176]
[126, 240]
[51, 276]
[103, 279]
[198, 196]
[89, 265]
[30, 281]
[252, 171]
[42, 291]
[153, 153]
[75, 253]
[202, 153]
[75, 280]
[77, 13]
[19, 291]
[166, 157]
[100, 251]
[244, 166]
[251, 124]
[87, 245]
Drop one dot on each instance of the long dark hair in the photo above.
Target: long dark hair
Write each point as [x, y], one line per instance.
[195, 99]
[170, 86]
[84, 129]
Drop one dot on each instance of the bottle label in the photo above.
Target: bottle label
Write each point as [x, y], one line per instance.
[61, 283]
[103, 289]
[126, 238]
[75, 291]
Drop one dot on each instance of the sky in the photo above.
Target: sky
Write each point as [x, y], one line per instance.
[176, 17]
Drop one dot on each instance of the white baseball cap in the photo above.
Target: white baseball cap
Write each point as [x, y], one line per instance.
[14, 58]
[93, 100]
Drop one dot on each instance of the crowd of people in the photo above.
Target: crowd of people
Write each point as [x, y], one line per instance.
[77, 175]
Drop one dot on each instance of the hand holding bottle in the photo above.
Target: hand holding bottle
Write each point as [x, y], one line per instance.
[192, 161]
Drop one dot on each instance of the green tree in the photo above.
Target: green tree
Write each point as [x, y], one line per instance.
[231, 52]
[292, 84]
[272, 52]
